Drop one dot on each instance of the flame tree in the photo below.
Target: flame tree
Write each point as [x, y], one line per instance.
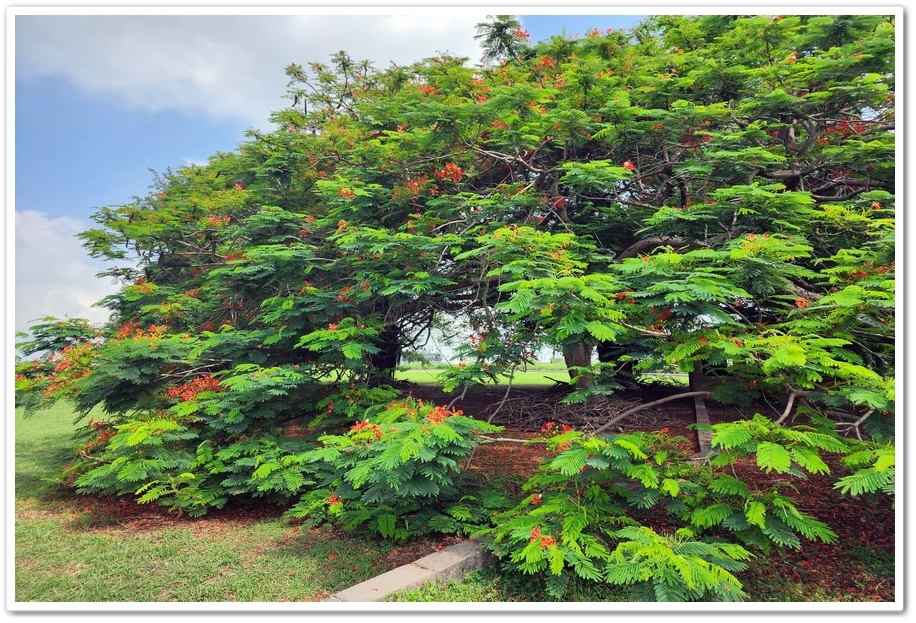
[713, 194]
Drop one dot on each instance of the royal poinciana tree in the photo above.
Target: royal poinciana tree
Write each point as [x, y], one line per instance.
[708, 194]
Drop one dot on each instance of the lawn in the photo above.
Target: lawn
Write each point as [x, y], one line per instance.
[529, 377]
[537, 375]
[80, 549]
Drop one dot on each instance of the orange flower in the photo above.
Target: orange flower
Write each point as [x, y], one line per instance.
[629, 166]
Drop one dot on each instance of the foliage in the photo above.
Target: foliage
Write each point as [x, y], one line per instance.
[398, 474]
[582, 516]
[713, 194]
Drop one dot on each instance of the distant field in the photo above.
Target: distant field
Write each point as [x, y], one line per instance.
[529, 377]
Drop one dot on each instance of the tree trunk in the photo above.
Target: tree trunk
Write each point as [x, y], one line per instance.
[386, 360]
[610, 352]
[579, 354]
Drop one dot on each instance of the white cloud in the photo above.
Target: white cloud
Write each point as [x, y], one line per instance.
[54, 274]
[227, 66]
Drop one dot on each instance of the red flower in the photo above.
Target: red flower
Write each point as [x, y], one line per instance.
[438, 415]
[629, 166]
[664, 430]
[451, 172]
[536, 499]
[547, 541]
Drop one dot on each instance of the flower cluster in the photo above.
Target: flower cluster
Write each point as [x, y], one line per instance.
[134, 331]
[190, 390]
[546, 540]
[544, 62]
[552, 426]
[409, 189]
[440, 414]
[365, 430]
[451, 172]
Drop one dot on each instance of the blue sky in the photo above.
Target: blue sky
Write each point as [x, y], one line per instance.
[100, 100]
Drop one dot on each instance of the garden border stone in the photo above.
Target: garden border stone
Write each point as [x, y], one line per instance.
[450, 563]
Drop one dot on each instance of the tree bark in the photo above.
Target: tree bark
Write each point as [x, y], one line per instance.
[578, 354]
[386, 360]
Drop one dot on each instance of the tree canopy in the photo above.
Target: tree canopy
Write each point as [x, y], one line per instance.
[706, 194]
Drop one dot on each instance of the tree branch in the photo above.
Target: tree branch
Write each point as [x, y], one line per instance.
[793, 394]
[647, 244]
[638, 408]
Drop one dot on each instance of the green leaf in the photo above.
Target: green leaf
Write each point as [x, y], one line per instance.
[352, 350]
[671, 487]
[756, 513]
[810, 460]
[773, 457]
[601, 331]
[712, 515]
[386, 525]
[570, 462]
[557, 561]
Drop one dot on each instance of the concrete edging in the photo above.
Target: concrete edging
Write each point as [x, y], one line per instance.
[450, 563]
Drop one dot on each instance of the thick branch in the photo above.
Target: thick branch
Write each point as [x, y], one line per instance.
[647, 244]
[648, 405]
[793, 394]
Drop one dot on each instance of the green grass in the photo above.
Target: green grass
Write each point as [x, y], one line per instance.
[530, 377]
[66, 553]
[489, 585]
[543, 374]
